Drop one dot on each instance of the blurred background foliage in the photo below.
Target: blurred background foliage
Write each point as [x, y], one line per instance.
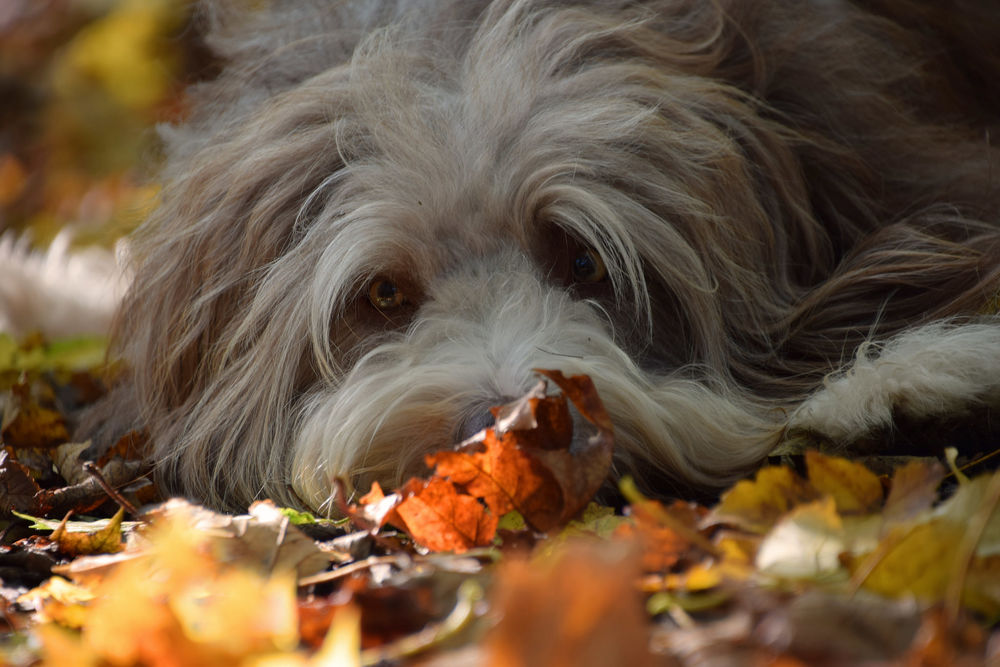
[83, 84]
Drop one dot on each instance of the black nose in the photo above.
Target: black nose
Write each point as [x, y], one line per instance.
[474, 423]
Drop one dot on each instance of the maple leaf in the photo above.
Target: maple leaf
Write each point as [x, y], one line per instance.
[507, 477]
[437, 516]
[524, 462]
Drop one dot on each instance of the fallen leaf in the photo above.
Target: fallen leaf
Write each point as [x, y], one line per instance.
[66, 458]
[805, 543]
[18, 491]
[917, 561]
[854, 488]
[106, 540]
[913, 491]
[575, 609]
[757, 505]
[507, 476]
[440, 518]
[60, 601]
[35, 426]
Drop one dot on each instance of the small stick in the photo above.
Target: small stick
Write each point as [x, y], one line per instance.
[94, 472]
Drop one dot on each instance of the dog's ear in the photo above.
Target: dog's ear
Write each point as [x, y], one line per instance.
[228, 210]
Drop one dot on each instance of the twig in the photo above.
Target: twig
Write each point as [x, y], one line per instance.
[346, 570]
[94, 472]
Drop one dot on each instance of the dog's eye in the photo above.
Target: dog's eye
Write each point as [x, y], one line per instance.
[385, 294]
[588, 267]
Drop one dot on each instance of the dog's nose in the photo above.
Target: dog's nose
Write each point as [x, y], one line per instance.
[474, 423]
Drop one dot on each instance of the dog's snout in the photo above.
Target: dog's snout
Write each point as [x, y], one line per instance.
[474, 423]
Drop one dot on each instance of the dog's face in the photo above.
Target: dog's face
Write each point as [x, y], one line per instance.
[347, 271]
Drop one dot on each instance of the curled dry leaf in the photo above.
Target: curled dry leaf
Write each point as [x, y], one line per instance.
[529, 461]
[526, 462]
[106, 540]
[439, 517]
[18, 491]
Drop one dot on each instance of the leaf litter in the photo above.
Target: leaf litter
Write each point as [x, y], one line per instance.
[502, 556]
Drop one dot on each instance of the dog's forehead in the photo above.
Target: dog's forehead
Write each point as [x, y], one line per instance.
[445, 237]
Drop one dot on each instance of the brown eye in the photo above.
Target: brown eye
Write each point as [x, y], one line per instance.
[588, 267]
[385, 294]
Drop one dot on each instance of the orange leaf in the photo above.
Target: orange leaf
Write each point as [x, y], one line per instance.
[579, 607]
[507, 477]
[524, 462]
[442, 519]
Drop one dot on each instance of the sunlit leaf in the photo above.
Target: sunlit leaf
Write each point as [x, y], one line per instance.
[854, 488]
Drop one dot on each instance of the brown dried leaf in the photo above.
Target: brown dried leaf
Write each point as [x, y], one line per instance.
[35, 426]
[913, 491]
[18, 491]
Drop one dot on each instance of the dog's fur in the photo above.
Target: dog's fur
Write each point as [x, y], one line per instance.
[771, 184]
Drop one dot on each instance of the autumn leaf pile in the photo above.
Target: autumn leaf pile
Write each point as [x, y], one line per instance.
[505, 553]
[498, 556]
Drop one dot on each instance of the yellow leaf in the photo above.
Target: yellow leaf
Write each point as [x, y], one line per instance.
[107, 540]
[63, 648]
[919, 561]
[239, 612]
[854, 488]
[982, 585]
[60, 601]
[126, 53]
[342, 645]
[756, 505]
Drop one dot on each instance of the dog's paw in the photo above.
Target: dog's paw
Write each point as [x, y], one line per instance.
[935, 372]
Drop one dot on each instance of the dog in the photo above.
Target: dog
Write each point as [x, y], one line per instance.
[740, 218]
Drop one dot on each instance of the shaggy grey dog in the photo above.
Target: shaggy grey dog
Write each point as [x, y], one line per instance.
[382, 215]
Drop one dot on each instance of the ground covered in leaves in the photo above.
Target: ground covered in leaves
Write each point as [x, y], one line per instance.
[498, 556]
